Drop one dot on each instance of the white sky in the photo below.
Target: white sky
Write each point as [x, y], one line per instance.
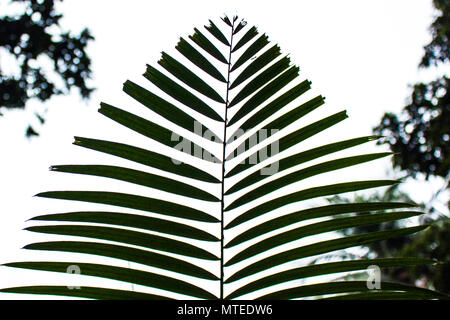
[360, 55]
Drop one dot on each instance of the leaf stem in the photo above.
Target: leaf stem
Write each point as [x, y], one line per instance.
[223, 169]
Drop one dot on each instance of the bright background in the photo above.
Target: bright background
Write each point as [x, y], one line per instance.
[361, 55]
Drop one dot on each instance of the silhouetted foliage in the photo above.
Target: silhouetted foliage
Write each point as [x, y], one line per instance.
[433, 243]
[31, 36]
[388, 247]
[420, 135]
[438, 50]
[420, 138]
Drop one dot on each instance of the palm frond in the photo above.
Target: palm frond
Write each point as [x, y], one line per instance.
[227, 75]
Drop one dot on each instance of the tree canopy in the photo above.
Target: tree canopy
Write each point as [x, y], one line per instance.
[420, 138]
[420, 135]
[31, 36]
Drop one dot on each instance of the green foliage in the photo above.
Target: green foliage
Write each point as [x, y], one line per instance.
[420, 135]
[30, 36]
[256, 85]
[433, 243]
[438, 50]
[388, 247]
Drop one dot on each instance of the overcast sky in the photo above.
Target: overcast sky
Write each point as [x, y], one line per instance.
[360, 55]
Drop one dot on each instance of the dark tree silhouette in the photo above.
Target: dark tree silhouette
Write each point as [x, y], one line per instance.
[420, 135]
[28, 37]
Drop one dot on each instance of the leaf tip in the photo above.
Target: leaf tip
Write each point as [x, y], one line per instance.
[41, 195]
[32, 219]
[76, 141]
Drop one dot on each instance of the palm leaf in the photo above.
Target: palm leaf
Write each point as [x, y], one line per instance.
[87, 292]
[403, 291]
[122, 274]
[231, 76]
[131, 220]
[321, 269]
